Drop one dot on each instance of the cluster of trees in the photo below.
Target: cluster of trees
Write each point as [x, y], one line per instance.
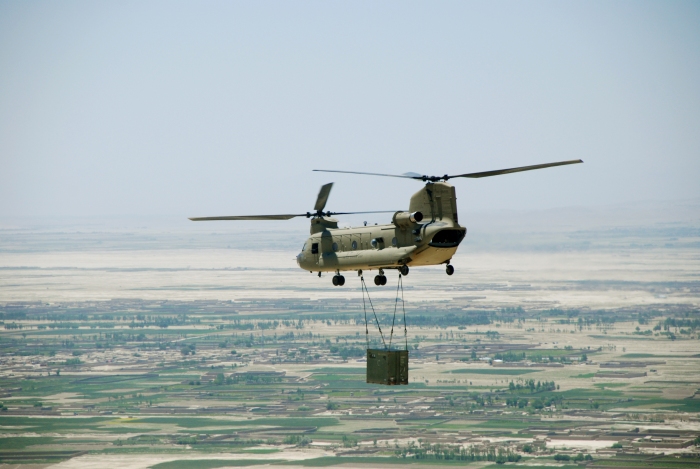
[221, 379]
[538, 358]
[121, 337]
[13, 315]
[578, 458]
[188, 350]
[517, 402]
[239, 326]
[457, 453]
[186, 440]
[346, 352]
[678, 322]
[139, 320]
[139, 440]
[13, 326]
[447, 320]
[532, 386]
[291, 336]
[489, 399]
[537, 404]
[161, 321]
[255, 379]
[299, 440]
[250, 340]
[510, 356]
[431, 319]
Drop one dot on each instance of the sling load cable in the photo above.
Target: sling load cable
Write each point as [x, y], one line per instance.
[396, 304]
[364, 289]
[364, 307]
[403, 307]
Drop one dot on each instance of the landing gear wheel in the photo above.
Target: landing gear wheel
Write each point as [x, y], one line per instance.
[404, 270]
[380, 280]
[338, 280]
[449, 269]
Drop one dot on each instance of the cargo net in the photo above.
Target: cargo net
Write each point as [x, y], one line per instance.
[399, 288]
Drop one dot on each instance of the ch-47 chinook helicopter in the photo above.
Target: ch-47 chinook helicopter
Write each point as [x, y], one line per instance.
[428, 233]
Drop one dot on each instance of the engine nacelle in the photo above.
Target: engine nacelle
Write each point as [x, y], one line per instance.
[407, 219]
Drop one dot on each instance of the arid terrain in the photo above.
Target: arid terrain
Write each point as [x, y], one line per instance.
[148, 348]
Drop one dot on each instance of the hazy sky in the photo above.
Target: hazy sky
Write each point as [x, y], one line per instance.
[216, 108]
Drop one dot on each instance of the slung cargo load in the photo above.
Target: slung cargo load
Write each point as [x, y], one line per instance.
[389, 367]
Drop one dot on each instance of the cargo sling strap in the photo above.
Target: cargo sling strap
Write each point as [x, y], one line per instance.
[376, 319]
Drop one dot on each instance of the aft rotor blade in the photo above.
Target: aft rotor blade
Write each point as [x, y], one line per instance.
[358, 213]
[323, 196]
[514, 170]
[251, 217]
[370, 174]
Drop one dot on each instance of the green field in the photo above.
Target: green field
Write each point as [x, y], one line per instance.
[496, 371]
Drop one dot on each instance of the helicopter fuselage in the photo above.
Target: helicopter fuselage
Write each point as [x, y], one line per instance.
[428, 234]
[380, 247]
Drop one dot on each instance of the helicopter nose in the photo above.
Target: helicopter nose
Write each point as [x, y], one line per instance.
[299, 259]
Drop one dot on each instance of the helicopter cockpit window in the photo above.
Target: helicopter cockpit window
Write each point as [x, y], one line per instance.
[303, 248]
[314, 248]
[335, 247]
[354, 245]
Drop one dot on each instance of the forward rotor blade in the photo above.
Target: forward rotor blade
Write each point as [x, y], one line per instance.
[323, 196]
[251, 217]
[406, 176]
[514, 170]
